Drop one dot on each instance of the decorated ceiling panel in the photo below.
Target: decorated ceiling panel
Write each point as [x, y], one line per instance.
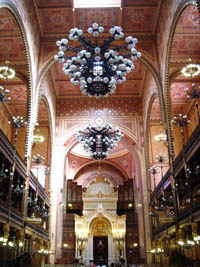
[56, 20]
[65, 88]
[58, 72]
[186, 42]
[137, 19]
[105, 17]
[138, 72]
[8, 24]
[189, 21]
[18, 93]
[130, 87]
[12, 48]
[117, 107]
[180, 102]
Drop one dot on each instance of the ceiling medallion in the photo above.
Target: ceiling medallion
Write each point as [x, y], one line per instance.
[191, 69]
[99, 140]
[97, 68]
[6, 73]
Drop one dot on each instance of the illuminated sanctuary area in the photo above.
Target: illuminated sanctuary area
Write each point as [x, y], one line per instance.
[99, 133]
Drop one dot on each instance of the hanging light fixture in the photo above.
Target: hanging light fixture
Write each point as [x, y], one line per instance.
[160, 137]
[6, 73]
[99, 140]
[38, 159]
[4, 94]
[191, 70]
[37, 138]
[96, 68]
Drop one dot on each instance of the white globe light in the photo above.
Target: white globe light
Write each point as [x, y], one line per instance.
[112, 31]
[101, 29]
[90, 30]
[95, 34]
[58, 43]
[95, 26]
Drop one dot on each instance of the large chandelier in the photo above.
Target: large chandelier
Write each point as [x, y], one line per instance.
[191, 70]
[96, 68]
[6, 73]
[99, 140]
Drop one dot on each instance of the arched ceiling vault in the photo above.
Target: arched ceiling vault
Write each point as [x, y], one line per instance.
[91, 171]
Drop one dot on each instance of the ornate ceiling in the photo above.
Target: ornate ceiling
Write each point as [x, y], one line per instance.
[139, 18]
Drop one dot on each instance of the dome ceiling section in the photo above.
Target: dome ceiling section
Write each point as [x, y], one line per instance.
[137, 18]
[88, 173]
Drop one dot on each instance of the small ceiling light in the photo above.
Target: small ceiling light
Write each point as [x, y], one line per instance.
[6, 73]
[70, 205]
[135, 244]
[96, 68]
[160, 137]
[191, 70]
[38, 138]
[130, 205]
[38, 159]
